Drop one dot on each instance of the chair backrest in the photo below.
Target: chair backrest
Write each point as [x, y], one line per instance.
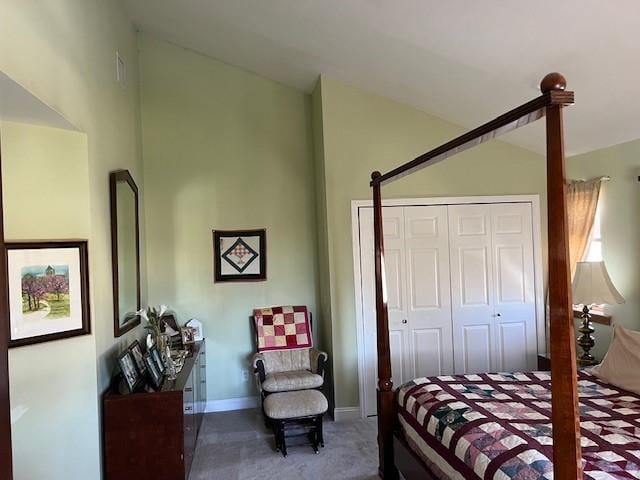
[277, 361]
[284, 337]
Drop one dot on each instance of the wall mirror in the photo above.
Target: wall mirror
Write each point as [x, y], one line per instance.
[125, 246]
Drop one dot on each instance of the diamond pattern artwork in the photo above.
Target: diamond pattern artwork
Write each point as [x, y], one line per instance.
[498, 425]
[239, 255]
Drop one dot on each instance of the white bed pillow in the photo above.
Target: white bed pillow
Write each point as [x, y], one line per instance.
[621, 364]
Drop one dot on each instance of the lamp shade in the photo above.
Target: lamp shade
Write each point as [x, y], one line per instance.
[591, 284]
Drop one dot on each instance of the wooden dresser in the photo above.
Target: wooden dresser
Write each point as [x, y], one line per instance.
[153, 435]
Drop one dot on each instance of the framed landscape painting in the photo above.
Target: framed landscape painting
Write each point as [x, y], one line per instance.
[240, 255]
[48, 291]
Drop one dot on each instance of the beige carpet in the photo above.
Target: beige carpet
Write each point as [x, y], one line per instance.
[237, 446]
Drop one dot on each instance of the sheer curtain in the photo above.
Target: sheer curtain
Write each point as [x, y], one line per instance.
[582, 202]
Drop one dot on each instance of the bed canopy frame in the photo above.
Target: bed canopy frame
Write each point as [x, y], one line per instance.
[565, 413]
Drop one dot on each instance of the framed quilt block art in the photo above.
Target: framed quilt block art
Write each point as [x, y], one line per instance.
[240, 255]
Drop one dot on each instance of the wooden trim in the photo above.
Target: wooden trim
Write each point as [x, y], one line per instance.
[6, 468]
[596, 317]
[116, 177]
[512, 120]
[567, 463]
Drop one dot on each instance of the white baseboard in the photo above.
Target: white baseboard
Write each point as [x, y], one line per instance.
[341, 414]
[241, 403]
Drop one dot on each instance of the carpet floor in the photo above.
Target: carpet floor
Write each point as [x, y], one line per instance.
[237, 446]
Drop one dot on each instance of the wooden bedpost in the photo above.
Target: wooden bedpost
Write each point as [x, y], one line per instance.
[386, 420]
[567, 463]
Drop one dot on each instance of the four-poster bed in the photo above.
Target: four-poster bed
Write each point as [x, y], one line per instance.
[394, 451]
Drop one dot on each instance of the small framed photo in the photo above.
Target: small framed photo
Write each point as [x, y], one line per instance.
[188, 335]
[154, 374]
[48, 291]
[136, 351]
[129, 371]
[240, 255]
[157, 358]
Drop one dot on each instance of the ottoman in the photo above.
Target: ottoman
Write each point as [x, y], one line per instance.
[297, 409]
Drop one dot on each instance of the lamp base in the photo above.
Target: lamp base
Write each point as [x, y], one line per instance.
[586, 340]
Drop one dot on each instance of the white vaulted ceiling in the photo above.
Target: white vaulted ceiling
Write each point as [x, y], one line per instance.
[462, 60]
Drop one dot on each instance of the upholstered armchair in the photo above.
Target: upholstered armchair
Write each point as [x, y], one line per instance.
[286, 370]
[286, 359]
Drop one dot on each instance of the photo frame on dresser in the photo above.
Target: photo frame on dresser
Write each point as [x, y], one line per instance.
[138, 356]
[157, 359]
[154, 374]
[132, 378]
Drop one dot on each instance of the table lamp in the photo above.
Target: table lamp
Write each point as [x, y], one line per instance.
[591, 285]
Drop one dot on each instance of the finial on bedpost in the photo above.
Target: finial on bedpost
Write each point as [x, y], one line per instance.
[553, 81]
[375, 175]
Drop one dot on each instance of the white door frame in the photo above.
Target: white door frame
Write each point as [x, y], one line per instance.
[534, 200]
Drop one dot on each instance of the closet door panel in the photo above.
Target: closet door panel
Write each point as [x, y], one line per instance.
[476, 354]
[396, 277]
[393, 224]
[514, 286]
[429, 297]
[471, 288]
[429, 353]
[370, 353]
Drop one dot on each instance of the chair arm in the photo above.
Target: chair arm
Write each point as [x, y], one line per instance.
[317, 360]
[258, 366]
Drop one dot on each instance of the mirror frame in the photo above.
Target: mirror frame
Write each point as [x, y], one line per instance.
[116, 177]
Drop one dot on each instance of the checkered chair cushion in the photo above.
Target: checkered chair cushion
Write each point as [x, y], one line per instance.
[283, 328]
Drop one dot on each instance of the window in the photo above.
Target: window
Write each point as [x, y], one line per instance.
[594, 250]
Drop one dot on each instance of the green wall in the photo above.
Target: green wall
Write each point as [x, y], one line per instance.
[64, 53]
[52, 385]
[620, 227]
[363, 132]
[224, 149]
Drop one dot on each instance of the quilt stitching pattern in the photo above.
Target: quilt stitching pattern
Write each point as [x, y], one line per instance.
[499, 425]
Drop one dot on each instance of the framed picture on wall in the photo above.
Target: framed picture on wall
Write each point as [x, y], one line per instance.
[240, 255]
[48, 291]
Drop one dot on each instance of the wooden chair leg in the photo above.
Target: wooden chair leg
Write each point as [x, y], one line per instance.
[283, 439]
[319, 430]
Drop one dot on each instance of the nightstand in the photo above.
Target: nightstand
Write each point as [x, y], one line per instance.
[544, 362]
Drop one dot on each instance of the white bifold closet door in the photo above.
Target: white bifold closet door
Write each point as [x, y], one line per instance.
[460, 291]
[418, 296]
[492, 287]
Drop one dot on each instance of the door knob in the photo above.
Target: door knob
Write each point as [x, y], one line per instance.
[404, 320]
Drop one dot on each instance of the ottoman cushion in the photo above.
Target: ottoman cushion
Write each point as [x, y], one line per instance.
[302, 403]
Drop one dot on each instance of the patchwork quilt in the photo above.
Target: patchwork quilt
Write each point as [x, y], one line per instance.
[283, 328]
[498, 426]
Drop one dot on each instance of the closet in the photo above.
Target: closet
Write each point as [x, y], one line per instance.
[461, 290]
